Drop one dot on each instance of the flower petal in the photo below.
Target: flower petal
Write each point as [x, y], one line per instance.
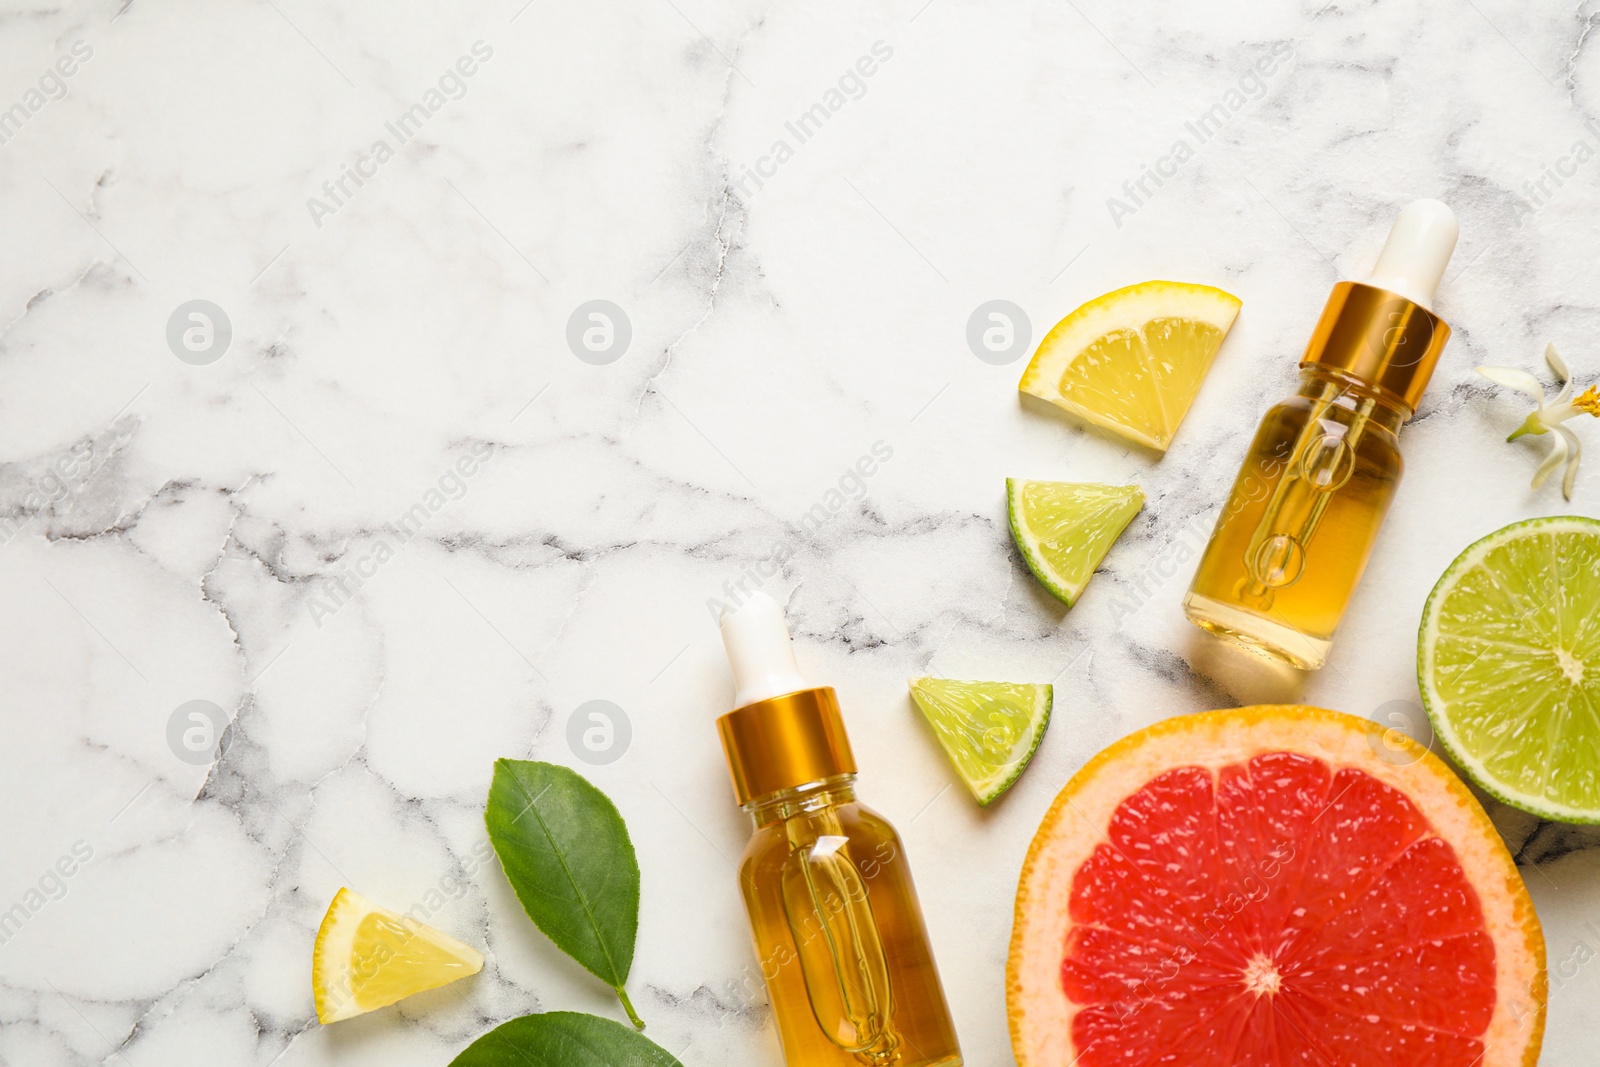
[1511, 378]
[1557, 364]
[1571, 478]
[1556, 456]
[1555, 414]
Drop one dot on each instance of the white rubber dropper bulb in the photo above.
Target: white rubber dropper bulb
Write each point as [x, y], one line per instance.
[1419, 246]
[757, 639]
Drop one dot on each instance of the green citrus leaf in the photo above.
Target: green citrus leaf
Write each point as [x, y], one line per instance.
[566, 853]
[563, 1039]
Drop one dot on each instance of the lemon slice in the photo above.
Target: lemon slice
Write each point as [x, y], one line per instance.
[367, 957]
[1509, 665]
[989, 730]
[1132, 360]
[1064, 529]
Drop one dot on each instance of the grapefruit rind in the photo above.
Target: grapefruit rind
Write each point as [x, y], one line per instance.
[1041, 1017]
[1437, 706]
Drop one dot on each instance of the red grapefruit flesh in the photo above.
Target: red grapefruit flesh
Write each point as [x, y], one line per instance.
[1268, 886]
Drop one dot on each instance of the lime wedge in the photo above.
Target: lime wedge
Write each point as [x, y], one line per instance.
[1508, 660]
[988, 729]
[1064, 529]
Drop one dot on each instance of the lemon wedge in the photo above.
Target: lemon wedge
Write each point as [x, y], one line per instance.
[1131, 361]
[368, 957]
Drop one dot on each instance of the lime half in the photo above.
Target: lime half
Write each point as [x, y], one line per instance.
[1064, 529]
[1508, 660]
[988, 729]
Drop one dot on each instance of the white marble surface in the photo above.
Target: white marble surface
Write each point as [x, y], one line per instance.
[184, 550]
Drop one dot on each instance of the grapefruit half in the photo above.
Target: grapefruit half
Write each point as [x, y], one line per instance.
[1272, 885]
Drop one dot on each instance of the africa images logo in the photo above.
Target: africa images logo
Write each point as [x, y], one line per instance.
[451, 85]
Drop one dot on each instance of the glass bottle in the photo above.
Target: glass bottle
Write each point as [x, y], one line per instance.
[839, 935]
[1298, 527]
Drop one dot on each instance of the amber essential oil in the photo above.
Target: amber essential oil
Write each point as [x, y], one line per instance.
[839, 934]
[1297, 530]
[1300, 523]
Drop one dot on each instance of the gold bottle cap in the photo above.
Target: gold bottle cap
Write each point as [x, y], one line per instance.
[1378, 337]
[784, 742]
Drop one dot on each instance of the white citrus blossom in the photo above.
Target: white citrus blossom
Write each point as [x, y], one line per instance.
[1547, 417]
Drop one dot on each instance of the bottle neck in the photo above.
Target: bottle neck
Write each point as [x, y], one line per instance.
[812, 796]
[785, 742]
[1379, 339]
[1342, 390]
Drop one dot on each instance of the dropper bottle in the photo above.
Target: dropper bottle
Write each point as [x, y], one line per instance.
[839, 936]
[1300, 523]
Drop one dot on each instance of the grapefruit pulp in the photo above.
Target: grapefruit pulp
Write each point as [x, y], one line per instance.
[1272, 885]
